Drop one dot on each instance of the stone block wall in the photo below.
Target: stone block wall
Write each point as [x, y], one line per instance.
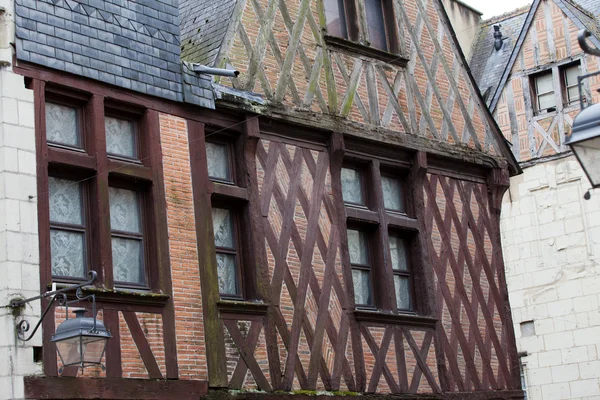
[19, 260]
[551, 242]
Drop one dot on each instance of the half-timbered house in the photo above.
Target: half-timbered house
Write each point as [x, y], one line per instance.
[549, 231]
[327, 222]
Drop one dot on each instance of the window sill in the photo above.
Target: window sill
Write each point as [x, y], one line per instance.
[123, 296]
[363, 50]
[242, 307]
[380, 317]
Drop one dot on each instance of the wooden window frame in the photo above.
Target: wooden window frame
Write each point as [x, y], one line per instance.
[237, 249]
[226, 141]
[97, 170]
[368, 231]
[144, 236]
[409, 267]
[350, 15]
[565, 89]
[85, 228]
[536, 95]
[377, 222]
[361, 168]
[129, 116]
[389, 27]
[233, 195]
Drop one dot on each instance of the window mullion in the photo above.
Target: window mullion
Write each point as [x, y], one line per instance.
[381, 269]
[101, 260]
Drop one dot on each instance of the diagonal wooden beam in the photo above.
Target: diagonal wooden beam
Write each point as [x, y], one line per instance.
[421, 357]
[142, 344]
[241, 368]
[376, 350]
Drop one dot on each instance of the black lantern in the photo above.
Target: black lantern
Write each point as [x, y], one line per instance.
[585, 137]
[81, 340]
[585, 142]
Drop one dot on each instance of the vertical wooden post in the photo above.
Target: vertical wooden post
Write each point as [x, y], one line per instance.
[209, 281]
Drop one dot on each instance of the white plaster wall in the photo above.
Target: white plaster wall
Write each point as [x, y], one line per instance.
[551, 244]
[19, 260]
[465, 21]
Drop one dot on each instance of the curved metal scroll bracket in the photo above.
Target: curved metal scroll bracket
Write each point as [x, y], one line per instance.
[59, 296]
[581, 38]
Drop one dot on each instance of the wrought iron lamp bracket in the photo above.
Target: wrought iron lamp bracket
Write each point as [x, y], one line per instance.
[56, 296]
[581, 38]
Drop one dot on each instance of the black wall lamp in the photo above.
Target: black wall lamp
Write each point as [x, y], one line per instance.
[585, 137]
[79, 341]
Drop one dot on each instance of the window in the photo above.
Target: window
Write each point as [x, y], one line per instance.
[544, 91]
[379, 239]
[229, 215]
[570, 74]
[376, 23]
[126, 236]
[335, 15]
[342, 21]
[400, 265]
[68, 231]
[226, 249]
[99, 197]
[218, 158]
[63, 125]
[360, 260]
[352, 187]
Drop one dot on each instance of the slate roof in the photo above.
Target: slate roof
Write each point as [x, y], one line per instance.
[488, 65]
[203, 27]
[133, 44]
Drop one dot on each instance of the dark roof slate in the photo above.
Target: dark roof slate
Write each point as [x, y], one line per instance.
[203, 27]
[133, 44]
[488, 64]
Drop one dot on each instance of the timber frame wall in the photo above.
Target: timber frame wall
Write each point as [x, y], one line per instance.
[303, 331]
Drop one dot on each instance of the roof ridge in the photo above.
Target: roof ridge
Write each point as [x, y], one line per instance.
[580, 8]
[505, 16]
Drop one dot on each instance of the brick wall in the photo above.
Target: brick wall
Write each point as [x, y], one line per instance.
[551, 244]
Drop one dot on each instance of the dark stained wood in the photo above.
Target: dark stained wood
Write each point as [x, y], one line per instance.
[129, 170]
[242, 307]
[58, 157]
[142, 344]
[246, 349]
[404, 222]
[229, 191]
[354, 48]
[411, 320]
[401, 360]
[421, 357]
[239, 374]
[209, 281]
[362, 215]
[112, 388]
[114, 368]
[389, 377]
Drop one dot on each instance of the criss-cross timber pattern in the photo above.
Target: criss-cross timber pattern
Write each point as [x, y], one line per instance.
[279, 47]
[310, 326]
[399, 360]
[467, 262]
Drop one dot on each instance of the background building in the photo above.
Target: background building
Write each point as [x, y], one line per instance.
[550, 233]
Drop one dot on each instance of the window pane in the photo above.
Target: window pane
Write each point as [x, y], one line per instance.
[120, 137]
[362, 286]
[376, 24]
[544, 84]
[124, 210]
[547, 101]
[336, 18]
[217, 158]
[67, 253]
[61, 125]
[573, 94]
[127, 260]
[65, 201]
[352, 190]
[571, 75]
[402, 285]
[223, 228]
[392, 194]
[398, 250]
[226, 271]
[357, 246]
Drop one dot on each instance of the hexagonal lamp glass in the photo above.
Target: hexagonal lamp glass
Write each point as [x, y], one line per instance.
[585, 142]
[81, 340]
